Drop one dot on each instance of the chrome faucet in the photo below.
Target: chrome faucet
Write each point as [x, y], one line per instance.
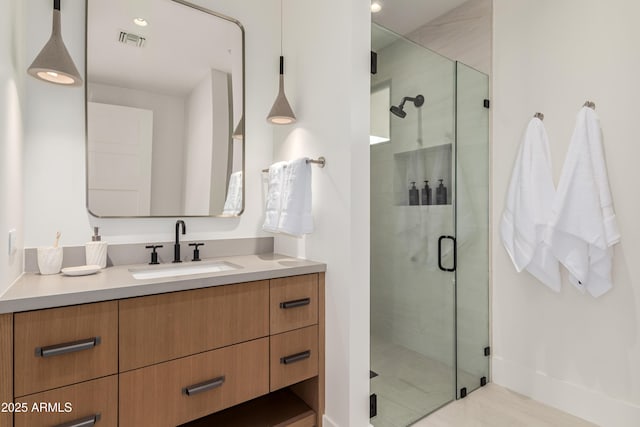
[176, 246]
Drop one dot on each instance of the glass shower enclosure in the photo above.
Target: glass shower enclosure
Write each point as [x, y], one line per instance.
[429, 230]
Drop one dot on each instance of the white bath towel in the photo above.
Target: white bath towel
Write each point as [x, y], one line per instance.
[233, 202]
[583, 223]
[295, 217]
[274, 197]
[528, 208]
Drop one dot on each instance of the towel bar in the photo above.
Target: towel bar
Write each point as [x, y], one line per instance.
[320, 161]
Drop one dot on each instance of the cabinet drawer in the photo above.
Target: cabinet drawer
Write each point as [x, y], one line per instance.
[293, 302]
[182, 390]
[96, 399]
[294, 357]
[163, 327]
[62, 346]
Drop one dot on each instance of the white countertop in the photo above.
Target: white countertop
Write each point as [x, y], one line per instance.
[34, 291]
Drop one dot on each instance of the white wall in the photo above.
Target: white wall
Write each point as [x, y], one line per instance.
[54, 137]
[326, 49]
[12, 76]
[570, 350]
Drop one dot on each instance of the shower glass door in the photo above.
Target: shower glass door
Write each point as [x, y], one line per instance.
[412, 289]
[429, 230]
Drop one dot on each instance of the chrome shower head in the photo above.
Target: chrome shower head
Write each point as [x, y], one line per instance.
[418, 101]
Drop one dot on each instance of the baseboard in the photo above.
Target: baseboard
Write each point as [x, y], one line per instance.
[328, 422]
[574, 399]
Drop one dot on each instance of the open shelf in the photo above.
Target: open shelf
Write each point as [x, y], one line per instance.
[278, 409]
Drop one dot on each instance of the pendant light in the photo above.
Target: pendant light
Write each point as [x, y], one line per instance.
[239, 132]
[281, 112]
[54, 64]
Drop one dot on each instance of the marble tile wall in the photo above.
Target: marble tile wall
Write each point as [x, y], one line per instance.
[463, 34]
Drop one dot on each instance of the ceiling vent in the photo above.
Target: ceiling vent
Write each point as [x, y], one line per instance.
[131, 39]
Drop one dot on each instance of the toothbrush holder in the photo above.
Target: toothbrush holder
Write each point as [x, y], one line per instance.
[49, 260]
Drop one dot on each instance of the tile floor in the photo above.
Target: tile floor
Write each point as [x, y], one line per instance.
[410, 385]
[494, 406]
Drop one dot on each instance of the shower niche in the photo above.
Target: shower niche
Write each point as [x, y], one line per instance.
[431, 164]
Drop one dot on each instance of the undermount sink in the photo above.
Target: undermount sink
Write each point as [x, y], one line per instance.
[187, 269]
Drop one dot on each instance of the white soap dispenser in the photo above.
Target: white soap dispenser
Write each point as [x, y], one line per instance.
[96, 250]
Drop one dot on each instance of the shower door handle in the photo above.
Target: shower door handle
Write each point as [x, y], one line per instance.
[453, 239]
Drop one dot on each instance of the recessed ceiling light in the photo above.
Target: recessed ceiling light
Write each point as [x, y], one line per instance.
[140, 22]
[376, 7]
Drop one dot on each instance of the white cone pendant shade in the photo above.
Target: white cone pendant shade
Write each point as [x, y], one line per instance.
[281, 112]
[239, 132]
[54, 64]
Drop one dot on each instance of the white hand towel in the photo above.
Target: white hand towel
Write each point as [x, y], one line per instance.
[274, 197]
[528, 208]
[233, 202]
[583, 224]
[295, 217]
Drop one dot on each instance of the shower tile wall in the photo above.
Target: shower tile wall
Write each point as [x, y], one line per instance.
[406, 297]
[462, 34]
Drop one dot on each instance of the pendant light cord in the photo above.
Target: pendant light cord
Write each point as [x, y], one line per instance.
[281, 25]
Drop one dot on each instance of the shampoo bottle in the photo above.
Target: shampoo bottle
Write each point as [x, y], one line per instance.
[426, 194]
[96, 250]
[414, 195]
[441, 194]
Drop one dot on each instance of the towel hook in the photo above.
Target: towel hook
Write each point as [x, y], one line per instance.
[590, 104]
[539, 116]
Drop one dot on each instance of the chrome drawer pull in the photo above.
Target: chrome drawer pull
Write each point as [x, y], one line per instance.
[69, 347]
[295, 357]
[204, 386]
[295, 303]
[82, 422]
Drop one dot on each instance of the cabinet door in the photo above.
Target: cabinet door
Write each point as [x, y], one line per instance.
[61, 346]
[84, 404]
[163, 327]
[182, 390]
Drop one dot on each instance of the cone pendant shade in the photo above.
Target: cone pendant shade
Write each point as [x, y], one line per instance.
[238, 133]
[281, 112]
[54, 64]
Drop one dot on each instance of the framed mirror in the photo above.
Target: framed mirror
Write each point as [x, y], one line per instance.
[164, 110]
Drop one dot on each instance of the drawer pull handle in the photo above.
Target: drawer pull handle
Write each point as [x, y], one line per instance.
[69, 347]
[295, 357]
[295, 303]
[82, 422]
[204, 386]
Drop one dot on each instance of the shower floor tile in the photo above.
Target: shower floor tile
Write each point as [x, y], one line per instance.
[409, 385]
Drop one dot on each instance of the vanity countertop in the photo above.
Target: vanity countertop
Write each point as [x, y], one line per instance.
[34, 291]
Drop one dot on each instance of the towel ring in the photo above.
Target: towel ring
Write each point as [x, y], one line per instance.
[539, 116]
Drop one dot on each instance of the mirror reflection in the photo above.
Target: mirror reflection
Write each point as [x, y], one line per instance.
[165, 83]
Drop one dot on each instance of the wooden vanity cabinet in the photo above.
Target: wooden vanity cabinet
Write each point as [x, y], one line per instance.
[176, 358]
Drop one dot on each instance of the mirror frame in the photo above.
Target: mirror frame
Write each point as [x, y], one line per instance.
[244, 135]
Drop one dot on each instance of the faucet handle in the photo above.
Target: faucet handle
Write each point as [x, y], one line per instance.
[196, 251]
[154, 254]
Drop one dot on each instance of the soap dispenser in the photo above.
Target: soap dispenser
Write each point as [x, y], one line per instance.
[414, 195]
[441, 194]
[96, 250]
[426, 194]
